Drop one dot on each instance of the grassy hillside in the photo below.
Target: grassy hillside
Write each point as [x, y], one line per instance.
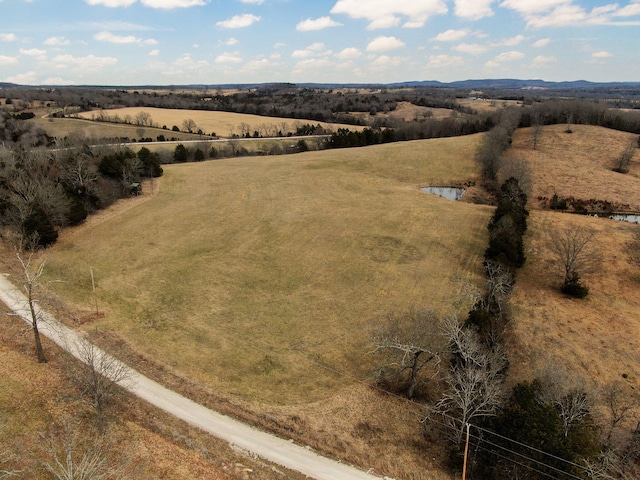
[252, 275]
[224, 124]
[598, 337]
[41, 411]
[258, 278]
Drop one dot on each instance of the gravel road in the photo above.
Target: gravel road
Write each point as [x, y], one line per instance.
[266, 446]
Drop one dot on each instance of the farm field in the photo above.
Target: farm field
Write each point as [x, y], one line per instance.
[254, 281]
[82, 129]
[598, 337]
[223, 124]
[258, 279]
[286, 259]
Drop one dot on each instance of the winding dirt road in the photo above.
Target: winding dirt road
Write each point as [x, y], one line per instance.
[266, 446]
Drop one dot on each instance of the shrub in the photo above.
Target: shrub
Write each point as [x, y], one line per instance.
[575, 289]
[558, 203]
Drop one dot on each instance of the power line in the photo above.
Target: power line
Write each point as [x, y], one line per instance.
[433, 419]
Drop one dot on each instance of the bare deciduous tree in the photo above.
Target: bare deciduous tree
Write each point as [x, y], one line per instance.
[189, 125]
[624, 159]
[475, 379]
[516, 168]
[619, 404]
[567, 393]
[6, 472]
[30, 282]
[71, 458]
[572, 248]
[98, 378]
[409, 341]
[143, 118]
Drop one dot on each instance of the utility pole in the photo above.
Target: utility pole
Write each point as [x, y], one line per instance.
[93, 287]
[466, 451]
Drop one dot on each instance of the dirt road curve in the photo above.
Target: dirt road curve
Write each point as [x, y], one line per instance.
[268, 447]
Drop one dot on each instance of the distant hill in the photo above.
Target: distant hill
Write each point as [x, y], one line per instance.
[478, 84]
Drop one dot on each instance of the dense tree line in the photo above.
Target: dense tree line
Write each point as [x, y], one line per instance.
[286, 101]
[42, 190]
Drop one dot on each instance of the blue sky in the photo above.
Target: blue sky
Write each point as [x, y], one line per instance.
[164, 42]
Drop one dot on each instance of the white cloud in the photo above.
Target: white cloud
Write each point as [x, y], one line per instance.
[310, 51]
[473, 9]
[444, 61]
[509, 42]
[228, 58]
[386, 14]
[154, 53]
[230, 42]
[170, 4]
[452, 35]
[56, 41]
[543, 42]
[630, 10]
[385, 61]
[111, 38]
[560, 13]
[601, 54]
[239, 21]
[150, 41]
[5, 60]
[383, 44]
[317, 24]
[111, 3]
[89, 62]
[471, 48]
[311, 65]
[529, 7]
[542, 61]
[185, 61]
[506, 57]
[28, 78]
[8, 37]
[349, 53]
[33, 52]
[253, 2]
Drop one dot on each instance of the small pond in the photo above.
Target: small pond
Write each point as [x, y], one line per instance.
[631, 218]
[450, 193]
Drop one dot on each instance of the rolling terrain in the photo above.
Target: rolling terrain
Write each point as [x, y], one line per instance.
[252, 283]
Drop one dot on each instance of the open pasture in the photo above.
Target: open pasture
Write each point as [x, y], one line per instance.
[579, 164]
[223, 124]
[260, 277]
[87, 130]
[598, 337]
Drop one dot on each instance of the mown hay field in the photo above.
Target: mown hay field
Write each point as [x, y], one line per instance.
[223, 124]
[83, 130]
[261, 277]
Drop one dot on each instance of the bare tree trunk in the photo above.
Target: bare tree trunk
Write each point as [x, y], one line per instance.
[30, 281]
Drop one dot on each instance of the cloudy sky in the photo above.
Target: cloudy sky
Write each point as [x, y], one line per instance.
[163, 42]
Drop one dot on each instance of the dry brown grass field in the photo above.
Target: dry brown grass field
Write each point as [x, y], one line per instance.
[598, 337]
[251, 283]
[41, 410]
[96, 131]
[258, 279]
[408, 112]
[224, 124]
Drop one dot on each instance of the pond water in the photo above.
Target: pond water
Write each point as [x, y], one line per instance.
[450, 193]
[626, 218]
